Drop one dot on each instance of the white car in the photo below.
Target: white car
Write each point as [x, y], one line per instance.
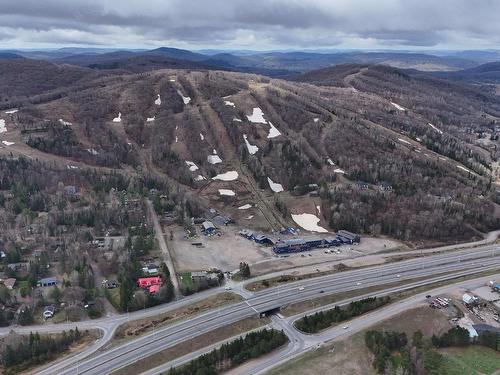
[398, 275]
[301, 288]
[358, 283]
[227, 287]
[345, 327]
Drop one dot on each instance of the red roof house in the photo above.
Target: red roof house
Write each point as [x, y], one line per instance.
[153, 289]
[146, 282]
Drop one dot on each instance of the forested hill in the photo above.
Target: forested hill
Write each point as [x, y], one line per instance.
[413, 157]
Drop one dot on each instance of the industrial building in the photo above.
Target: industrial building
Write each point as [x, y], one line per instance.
[298, 244]
[348, 237]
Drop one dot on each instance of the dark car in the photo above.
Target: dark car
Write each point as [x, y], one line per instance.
[428, 296]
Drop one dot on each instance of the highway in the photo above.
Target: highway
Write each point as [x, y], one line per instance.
[459, 263]
[300, 342]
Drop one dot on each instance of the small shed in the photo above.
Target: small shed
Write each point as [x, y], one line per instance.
[208, 227]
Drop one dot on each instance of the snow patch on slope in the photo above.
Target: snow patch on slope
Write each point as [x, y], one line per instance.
[257, 116]
[309, 222]
[273, 132]
[251, 148]
[227, 192]
[398, 107]
[277, 188]
[228, 176]
[436, 129]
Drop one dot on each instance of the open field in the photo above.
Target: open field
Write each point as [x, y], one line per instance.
[473, 360]
[338, 356]
[142, 326]
[193, 345]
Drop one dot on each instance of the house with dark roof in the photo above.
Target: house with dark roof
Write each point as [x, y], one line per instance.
[385, 186]
[47, 281]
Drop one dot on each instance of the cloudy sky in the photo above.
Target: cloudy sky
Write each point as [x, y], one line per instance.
[251, 24]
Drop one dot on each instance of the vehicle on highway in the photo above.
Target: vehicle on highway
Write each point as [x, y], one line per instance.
[345, 327]
[398, 275]
[227, 287]
[301, 288]
[358, 283]
[322, 291]
[428, 296]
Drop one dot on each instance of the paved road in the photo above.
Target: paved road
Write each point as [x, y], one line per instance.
[167, 257]
[460, 263]
[301, 343]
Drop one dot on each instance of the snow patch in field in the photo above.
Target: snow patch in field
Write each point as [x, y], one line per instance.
[202, 137]
[150, 119]
[273, 132]
[228, 103]
[257, 116]
[11, 111]
[185, 99]
[7, 143]
[330, 161]
[192, 166]
[236, 119]
[277, 188]
[92, 151]
[338, 170]
[3, 128]
[228, 176]
[398, 106]
[199, 178]
[251, 148]
[309, 222]
[462, 168]
[158, 100]
[214, 159]
[119, 118]
[245, 207]
[404, 141]
[436, 129]
[227, 192]
[65, 123]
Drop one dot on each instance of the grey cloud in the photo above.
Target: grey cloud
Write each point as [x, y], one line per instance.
[252, 24]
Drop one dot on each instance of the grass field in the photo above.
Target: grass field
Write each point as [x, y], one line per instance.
[185, 279]
[473, 360]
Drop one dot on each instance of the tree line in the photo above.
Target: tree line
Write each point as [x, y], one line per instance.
[232, 354]
[324, 319]
[36, 349]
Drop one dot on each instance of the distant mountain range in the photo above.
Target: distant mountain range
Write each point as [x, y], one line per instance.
[274, 64]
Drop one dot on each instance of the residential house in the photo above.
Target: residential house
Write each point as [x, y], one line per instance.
[9, 283]
[146, 282]
[47, 281]
[385, 186]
